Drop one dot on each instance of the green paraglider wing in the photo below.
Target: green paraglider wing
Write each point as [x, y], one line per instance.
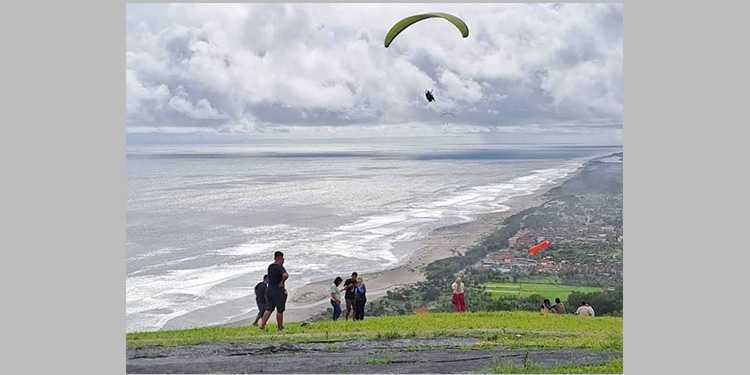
[408, 21]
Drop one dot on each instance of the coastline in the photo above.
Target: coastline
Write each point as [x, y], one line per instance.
[311, 300]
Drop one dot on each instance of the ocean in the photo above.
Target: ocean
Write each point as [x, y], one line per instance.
[203, 221]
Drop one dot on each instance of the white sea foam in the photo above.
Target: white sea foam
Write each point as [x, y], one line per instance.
[248, 249]
[162, 265]
[155, 253]
[188, 290]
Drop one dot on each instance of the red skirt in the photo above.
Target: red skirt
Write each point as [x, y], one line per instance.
[459, 305]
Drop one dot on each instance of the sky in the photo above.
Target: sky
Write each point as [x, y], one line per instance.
[205, 73]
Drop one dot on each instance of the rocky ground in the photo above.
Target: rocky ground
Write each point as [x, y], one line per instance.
[433, 355]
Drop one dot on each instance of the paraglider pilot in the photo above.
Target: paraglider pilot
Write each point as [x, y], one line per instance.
[429, 96]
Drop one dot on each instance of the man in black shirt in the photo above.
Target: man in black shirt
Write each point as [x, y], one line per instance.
[349, 286]
[276, 293]
[260, 298]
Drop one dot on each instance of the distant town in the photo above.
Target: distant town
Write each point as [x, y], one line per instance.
[586, 235]
[582, 218]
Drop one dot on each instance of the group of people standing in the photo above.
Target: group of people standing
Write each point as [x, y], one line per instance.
[355, 295]
[270, 295]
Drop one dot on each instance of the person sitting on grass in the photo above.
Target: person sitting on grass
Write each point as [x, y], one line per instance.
[558, 307]
[546, 307]
[336, 298]
[260, 298]
[360, 298]
[585, 310]
[591, 309]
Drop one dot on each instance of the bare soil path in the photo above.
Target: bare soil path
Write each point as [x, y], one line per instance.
[433, 355]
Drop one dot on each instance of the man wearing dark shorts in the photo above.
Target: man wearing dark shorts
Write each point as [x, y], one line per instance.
[349, 286]
[276, 293]
[260, 298]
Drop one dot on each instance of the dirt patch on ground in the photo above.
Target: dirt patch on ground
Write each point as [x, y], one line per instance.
[435, 355]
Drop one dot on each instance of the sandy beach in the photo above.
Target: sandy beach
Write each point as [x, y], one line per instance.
[312, 299]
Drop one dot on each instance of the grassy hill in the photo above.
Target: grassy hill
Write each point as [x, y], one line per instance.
[515, 329]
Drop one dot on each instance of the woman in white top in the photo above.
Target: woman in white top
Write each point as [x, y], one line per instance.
[459, 304]
[335, 295]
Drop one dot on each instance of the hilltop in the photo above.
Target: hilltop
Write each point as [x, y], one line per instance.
[433, 342]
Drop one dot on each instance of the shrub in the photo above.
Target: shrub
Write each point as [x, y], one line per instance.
[606, 302]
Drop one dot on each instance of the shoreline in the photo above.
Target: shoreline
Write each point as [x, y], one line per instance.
[311, 300]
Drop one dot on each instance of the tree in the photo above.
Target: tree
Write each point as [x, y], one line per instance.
[606, 302]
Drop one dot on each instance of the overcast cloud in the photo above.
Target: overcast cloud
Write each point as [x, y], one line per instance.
[321, 70]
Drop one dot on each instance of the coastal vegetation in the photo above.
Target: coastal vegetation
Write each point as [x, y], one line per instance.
[583, 219]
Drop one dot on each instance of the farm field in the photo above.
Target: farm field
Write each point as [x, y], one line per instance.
[547, 290]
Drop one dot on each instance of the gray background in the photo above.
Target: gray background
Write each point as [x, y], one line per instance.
[64, 189]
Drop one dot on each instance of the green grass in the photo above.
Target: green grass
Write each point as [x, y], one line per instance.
[379, 361]
[539, 279]
[547, 290]
[610, 367]
[506, 328]
[545, 340]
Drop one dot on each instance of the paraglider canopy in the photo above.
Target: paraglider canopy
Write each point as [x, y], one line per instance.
[408, 21]
[536, 249]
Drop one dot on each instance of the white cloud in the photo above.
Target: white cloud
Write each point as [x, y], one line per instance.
[143, 100]
[201, 110]
[255, 67]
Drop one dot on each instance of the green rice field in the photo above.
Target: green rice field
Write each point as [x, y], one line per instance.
[547, 290]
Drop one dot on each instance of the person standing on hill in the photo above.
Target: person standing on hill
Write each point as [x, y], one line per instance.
[349, 286]
[360, 298]
[459, 303]
[260, 298]
[276, 292]
[558, 307]
[336, 297]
